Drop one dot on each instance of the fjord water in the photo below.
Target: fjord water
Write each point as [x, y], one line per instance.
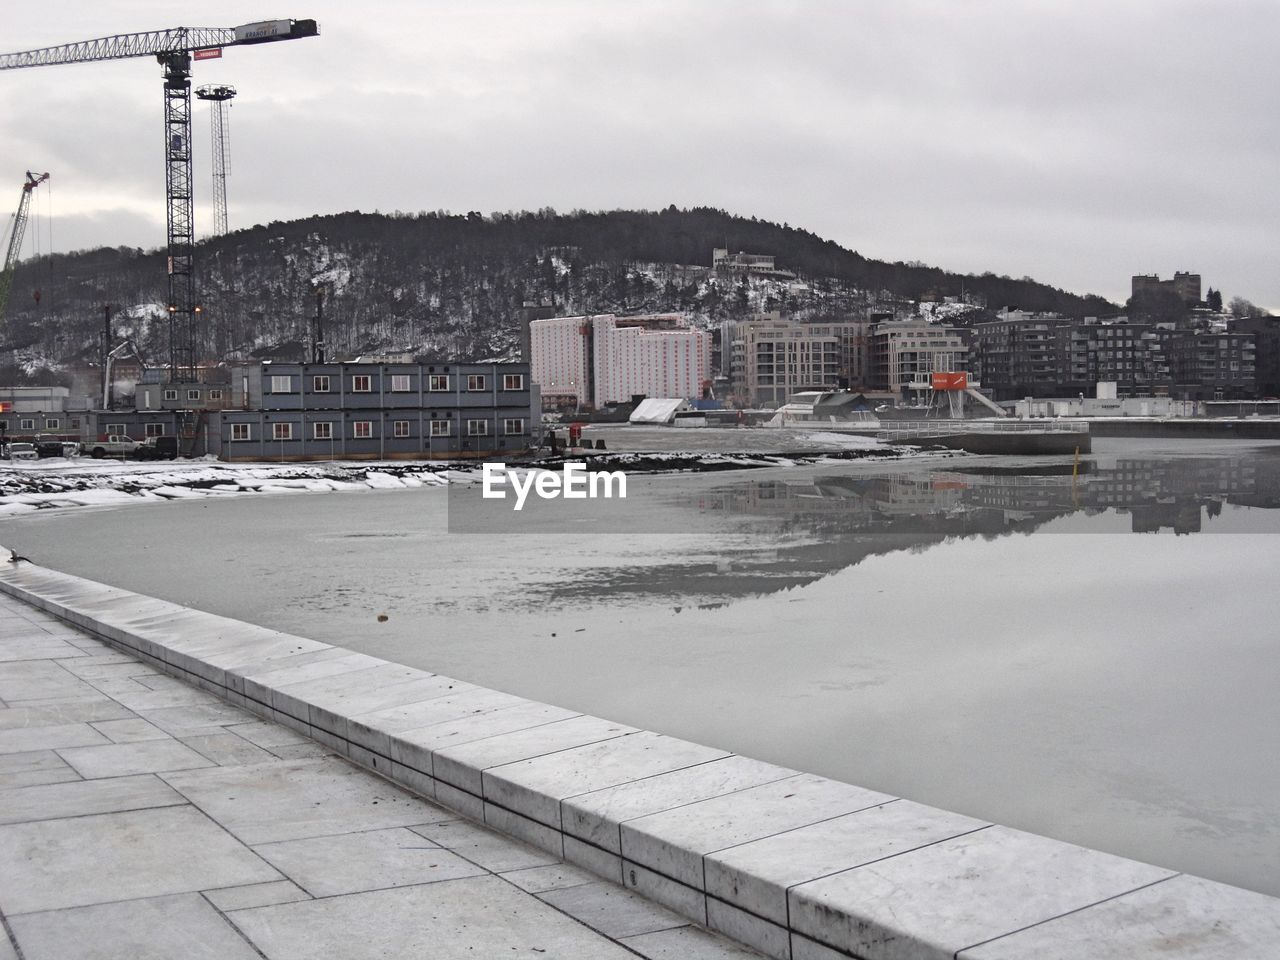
[1090, 657]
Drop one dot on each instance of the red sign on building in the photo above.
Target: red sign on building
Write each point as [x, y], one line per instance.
[950, 381]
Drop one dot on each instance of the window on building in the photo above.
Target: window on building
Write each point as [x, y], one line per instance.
[155, 429]
[362, 384]
[320, 384]
[513, 381]
[400, 428]
[515, 425]
[362, 429]
[215, 394]
[441, 428]
[193, 394]
[26, 424]
[115, 429]
[401, 383]
[475, 381]
[477, 428]
[240, 431]
[437, 383]
[281, 384]
[171, 394]
[75, 423]
[52, 424]
[322, 430]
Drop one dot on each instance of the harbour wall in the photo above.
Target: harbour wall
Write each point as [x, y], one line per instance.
[798, 866]
[1187, 428]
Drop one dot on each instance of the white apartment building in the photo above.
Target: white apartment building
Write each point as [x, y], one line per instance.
[605, 358]
[906, 352]
[559, 358]
[772, 358]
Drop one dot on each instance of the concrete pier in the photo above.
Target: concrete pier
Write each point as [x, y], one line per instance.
[794, 865]
[143, 818]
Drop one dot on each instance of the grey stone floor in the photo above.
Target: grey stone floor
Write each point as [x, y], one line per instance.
[143, 818]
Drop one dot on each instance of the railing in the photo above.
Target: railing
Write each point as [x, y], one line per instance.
[935, 428]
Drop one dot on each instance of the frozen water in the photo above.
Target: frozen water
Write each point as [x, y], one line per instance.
[980, 634]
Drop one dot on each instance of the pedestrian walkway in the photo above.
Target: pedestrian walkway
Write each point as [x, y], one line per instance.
[143, 818]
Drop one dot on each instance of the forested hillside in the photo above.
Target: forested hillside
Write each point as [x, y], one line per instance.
[442, 284]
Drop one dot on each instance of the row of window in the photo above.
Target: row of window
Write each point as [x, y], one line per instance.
[29, 423]
[363, 429]
[171, 393]
[400, 383]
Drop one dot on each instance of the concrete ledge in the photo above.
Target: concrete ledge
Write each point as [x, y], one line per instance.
[792, 864]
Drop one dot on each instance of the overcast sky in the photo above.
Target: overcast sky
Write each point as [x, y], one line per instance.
[1077, 143]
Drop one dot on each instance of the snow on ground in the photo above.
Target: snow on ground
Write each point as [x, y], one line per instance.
[45, 484]
[58, 483]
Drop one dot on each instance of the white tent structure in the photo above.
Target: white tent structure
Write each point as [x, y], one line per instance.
[655, 410]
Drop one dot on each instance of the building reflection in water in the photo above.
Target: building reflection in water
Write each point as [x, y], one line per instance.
[809, 527]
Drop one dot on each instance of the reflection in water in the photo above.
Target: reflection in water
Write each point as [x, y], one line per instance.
[817, 525]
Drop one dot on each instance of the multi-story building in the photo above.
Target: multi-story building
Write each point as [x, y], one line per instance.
[727, 265]
[774, 358]
[28, 411]
[1023, 354]
[1212, 365]
[1266, 338]
[606, 359]
[322, 411]
[905, 352]
[1185, 285]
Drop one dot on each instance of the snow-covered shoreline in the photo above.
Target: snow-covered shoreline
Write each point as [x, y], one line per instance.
[59, 483]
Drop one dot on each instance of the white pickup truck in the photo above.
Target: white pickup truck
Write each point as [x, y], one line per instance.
[112, 446]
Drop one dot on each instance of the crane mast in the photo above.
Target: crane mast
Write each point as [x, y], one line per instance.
[174, 49]
[218, 94]
[14, 248]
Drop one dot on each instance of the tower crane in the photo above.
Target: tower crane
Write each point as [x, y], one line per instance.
[174, 49]
[15, 236]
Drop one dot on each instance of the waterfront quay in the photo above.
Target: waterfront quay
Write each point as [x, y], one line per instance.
[289, 855]
[143, 818]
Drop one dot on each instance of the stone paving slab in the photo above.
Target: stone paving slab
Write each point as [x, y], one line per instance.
[756, 876]
[79, 861]
[947, 897]
[1162, 920]
[674, 842]
[471, 918]
[158, 928]
[596, 817]
[536, 787]
[79, 798]
[24, 739]
[463, 766]
[371, 860]
[717, 841]
[124, 759]
[291, 800]
[35, 767]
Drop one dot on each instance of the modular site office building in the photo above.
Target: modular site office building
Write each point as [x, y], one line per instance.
[363, 411]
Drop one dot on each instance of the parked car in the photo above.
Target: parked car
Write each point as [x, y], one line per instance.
[157, 448]
[47, 446]
[113, 446]
[70, 448]
[21, 451]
